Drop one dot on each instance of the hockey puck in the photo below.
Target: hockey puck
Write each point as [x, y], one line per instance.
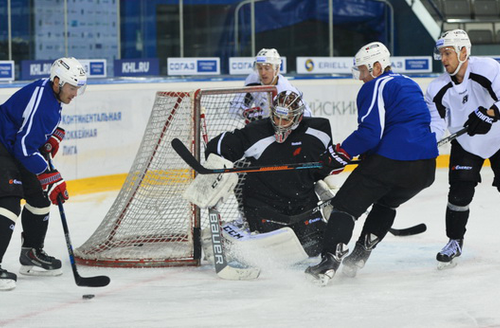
[88, 296]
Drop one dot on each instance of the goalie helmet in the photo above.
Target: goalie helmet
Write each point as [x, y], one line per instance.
[286, 113]
[69, 70]
[456, 39]
[370, 54]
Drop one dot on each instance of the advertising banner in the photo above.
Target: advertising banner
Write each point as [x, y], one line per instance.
[7, 72]
[37, 69]
[244, 65]
[193, 66]
[94, 67]
[343, 65]
[137, 67]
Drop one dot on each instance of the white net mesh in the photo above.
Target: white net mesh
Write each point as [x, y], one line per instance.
[150, 224]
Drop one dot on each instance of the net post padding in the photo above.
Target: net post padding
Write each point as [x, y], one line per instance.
[149, 223]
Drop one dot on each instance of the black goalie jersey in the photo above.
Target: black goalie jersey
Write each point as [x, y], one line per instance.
[288, 192]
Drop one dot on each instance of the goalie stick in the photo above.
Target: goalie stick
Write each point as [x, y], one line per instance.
[186, 155]
[235, 270]
[97, 281]
[292, 219]
[224, 269]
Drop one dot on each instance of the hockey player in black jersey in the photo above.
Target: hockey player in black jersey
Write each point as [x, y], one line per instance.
[285, 137]
[467, 94]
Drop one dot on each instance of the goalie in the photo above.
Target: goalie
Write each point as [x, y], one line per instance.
[285, 137]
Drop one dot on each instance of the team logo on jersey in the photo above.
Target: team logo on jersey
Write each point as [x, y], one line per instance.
[461, 168]
[311, 221]
[15, 181]
[465, 99]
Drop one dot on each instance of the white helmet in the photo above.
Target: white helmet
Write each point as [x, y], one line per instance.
[286, 105]
[69, 70]
[370, 54]
[269, 56]
[456, 39]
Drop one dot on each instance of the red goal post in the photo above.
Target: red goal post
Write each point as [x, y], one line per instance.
[150, 224]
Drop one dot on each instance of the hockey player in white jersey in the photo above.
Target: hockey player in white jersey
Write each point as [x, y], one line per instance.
[254, 106]
[466, 95]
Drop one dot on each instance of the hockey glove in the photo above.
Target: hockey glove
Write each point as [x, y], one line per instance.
[479, 122]
[54, 185]
[252, 114]
[335, 158]
[52, 145]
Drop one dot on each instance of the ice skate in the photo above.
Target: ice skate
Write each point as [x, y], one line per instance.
[35, 262]
[325, 270]
[7, 280]
[357, 259]
[449, 252]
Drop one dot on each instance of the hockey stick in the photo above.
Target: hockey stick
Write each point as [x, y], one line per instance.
[97, 281]
[289, 220]
[186, 155]
[223, 269]
[451, 137]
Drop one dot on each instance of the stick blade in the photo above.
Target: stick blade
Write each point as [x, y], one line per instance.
[186, 155]
[236, 273]
[415, 230]
[97, 281]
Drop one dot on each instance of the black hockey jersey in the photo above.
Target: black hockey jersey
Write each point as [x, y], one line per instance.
[289, 192]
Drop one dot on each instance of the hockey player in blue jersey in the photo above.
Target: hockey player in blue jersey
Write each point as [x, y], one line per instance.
[398, 160]
[29, 133]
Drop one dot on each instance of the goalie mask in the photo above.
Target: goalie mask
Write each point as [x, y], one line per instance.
[368, 55]
[268, 57]
[69, 70]
[286, 113]
[457, 40]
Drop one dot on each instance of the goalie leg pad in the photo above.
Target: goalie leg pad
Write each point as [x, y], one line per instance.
[280, 246]
[208, 189]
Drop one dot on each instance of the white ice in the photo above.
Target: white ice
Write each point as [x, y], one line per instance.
[399, 287]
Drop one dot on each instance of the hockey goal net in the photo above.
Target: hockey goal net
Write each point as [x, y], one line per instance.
[150, 224]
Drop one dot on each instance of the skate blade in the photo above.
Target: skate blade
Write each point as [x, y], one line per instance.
[447, 265]
[320, 280]
[7, 284]
[28, 270]
[349, 271]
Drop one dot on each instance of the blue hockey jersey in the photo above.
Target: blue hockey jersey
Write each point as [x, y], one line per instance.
[27, 119]
[393, 121]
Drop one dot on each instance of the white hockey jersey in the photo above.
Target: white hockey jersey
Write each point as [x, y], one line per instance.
[450, 104]
[245, 101]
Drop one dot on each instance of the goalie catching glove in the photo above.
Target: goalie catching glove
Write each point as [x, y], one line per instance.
[52, 144]
[208, 189]
[54, 185]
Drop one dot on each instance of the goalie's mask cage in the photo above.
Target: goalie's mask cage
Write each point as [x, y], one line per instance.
[150, 224]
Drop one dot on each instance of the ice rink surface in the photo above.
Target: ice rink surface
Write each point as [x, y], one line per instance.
[399, 287]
